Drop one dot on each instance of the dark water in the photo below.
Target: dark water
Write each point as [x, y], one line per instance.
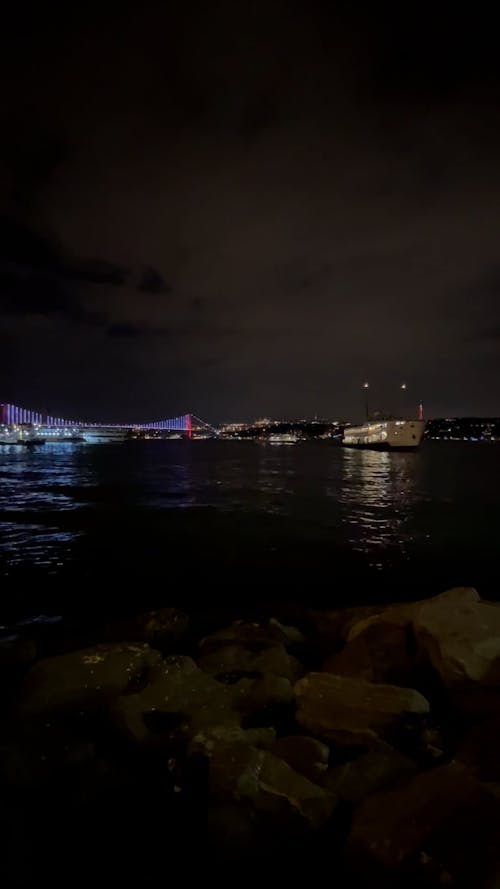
[86, 526]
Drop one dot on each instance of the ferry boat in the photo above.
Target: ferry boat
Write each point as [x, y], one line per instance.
[282, 438]
[17, 435]
[105, 434]
[385, 435]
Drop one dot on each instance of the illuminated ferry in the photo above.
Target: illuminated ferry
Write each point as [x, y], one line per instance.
[283, 438]
[385, 435]
[278, 438]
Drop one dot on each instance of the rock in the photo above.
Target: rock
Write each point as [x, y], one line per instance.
[292, 636]
[442, 823]
[460, 635]
[305, 755]
[273, 789]
[207, 740]
[178, 697]
[264, 692]
[86, 678]
[162, 629]
[367, 774]
[239, 660]
[352, 712]
[479, 750]
[379, 649]
[332, 627]
[252, 636]
[335, 628]
[182, 699]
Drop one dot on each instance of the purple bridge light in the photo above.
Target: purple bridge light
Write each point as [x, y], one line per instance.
[12, 415]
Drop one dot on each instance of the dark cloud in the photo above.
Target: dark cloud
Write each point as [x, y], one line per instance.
[37, 277]
[96, 271]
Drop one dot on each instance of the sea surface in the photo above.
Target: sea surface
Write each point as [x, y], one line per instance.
[136, 524]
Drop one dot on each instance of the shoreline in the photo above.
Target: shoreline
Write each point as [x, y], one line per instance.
[365, 735]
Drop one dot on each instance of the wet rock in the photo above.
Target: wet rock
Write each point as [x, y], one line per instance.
[206, 741]
[368, 774]
[253, 636]
[352, 712]
[162, 629]
[238, 660]
[335, 628]
[268, 784]
[460, 635]
[332, 627]
[379, 649]
[442, 824]
[180, 700]
[305, 755]
[86, 678]
[263, 692]
[292, 636]
[177, 689]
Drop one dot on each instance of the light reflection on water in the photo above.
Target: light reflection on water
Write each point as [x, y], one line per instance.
[383, 506]
[377, 491]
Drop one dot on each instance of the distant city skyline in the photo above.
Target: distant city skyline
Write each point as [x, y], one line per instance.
[16, 414]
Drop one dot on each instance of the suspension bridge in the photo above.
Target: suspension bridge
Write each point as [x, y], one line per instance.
[13, 415]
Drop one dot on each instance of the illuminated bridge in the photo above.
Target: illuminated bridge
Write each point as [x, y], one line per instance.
[12, 415]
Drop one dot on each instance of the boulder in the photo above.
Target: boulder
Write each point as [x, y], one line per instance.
[267, 783]
[335, 628]
[368, 774]
[305, 755]
[86, 678]
[460, 636]
[253, 636]
[332, 628]
[355, 713]
[162, 629]
[442, 824]
[378, 649]
[239, 660]
[291, 636]
[178, 698]
[264, 692]
[207, 740]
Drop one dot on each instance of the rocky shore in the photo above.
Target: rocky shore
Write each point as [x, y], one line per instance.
[358, 745]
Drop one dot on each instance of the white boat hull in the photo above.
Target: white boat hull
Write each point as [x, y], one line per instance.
[385, 435]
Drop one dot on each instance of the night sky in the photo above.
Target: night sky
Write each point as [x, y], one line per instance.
[245, 208]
